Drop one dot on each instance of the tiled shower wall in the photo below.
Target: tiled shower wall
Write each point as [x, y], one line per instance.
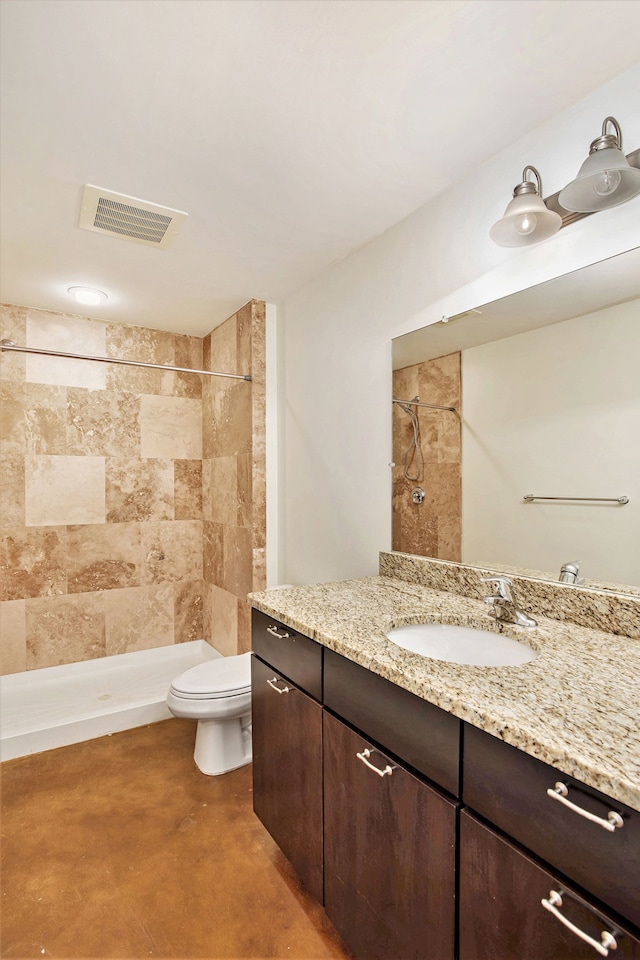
[101, 491]
[234, 481]
[434, 527]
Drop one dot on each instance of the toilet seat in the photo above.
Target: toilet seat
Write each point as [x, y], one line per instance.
[215, 679]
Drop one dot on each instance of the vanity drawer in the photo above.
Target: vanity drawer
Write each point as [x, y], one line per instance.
[419, 733]
[295, 656]
[509, 788]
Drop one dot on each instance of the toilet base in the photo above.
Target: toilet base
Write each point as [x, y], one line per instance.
[223, 745]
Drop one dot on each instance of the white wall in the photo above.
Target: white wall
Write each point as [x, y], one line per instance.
[555, 412]
[335, 378]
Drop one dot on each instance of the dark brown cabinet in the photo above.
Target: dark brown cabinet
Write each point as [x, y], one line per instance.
[519, 795]
[502, 916]
[287, 770]
[389, 853]
[392, 767]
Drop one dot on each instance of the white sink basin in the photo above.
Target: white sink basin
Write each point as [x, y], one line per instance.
[444, 641]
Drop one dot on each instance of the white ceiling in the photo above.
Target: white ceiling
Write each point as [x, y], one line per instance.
[291, 131]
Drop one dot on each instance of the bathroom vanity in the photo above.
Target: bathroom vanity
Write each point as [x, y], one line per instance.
[424, 803]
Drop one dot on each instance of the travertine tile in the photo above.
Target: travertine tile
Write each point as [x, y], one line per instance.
[434, 527]
[238, 561]
[103, 557]
[227, 411]
[206, 353]
[13, 326]
[224, 621]
[33, 418]
[140, 343]
[207, 612]
[442, 484]
[188, 353]
[439, 380]
[244, 322]
[68, 334]
[170, 427]
[207, 504]
[259, 574]
[139, 489]
[63, 490]
[213, 553]
[449, 443]
[65, 629]
[405, 384]
[244, 466]
[223, 347]
[138, 618]
[188, 612]
[13, 637]
[135, 380]
[449, 538]
[258, 341]
[102, 423]
[258, 519]
[224, 490]
[244, 626]
[187, 489]
[172, 551]
[12, 492]
[33, 562]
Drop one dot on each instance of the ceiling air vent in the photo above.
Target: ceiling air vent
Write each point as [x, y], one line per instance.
[104, 211]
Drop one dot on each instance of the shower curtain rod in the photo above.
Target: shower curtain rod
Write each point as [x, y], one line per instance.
[416, 403]
[10, 345]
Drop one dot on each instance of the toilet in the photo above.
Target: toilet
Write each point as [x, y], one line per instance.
[218, 695]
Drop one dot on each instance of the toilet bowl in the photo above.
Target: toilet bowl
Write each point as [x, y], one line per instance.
[218, 695]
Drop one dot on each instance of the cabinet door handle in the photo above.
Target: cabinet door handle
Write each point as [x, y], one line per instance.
[560, 792]
[272, 684]
[274, 633]
[607, 940]
[388, 770]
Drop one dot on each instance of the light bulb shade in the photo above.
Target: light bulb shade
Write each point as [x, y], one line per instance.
[526, 220]
[605, 179]
[87, 295]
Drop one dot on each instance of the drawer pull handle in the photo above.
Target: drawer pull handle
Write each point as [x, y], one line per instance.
[560, 793]
[388, 770]
[607, 940]
[272, 684]
[274, 633]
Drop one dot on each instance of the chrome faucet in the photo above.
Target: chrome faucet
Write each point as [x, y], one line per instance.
[569, 573]
[503, 602]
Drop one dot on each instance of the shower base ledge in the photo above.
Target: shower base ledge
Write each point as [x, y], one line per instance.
[56, 706]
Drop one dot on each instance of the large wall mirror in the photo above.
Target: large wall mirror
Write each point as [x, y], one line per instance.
[537, 466]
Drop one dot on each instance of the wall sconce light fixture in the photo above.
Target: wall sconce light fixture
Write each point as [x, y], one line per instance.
[527, 219]
[605, 179]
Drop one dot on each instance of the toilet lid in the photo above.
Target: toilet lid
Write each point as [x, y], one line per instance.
[221, 677]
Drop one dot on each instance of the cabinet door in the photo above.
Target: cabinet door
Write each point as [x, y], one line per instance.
[287, 771]
[501, 911]
[389, 854]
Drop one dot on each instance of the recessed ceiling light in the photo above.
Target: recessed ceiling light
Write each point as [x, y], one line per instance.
[87, 295]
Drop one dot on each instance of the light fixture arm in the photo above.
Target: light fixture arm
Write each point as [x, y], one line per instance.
[527, 186]
[606, 140]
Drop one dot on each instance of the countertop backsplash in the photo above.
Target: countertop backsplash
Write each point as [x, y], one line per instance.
[587, 607]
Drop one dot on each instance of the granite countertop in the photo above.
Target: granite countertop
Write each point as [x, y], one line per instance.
[576, 707]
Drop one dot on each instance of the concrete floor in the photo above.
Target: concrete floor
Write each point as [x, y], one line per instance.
[121, 848]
